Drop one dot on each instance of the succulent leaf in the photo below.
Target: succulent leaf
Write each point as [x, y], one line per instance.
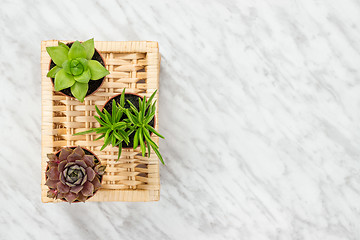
[53, 173]
[52, 163]
[84, 77]
[78, 181]
[66, 66]
[84, 62]
[80, 163]
[78, 150]
[89, 160]
[150, 99]
[89, 48]
[96, 183]
[63, 80]
[84, 180]
[61, 44]
[76, 51]
[76, 189]
[58, 54]
[60, 195]
[71, 197]
[62, 178]
[90, 173]
[52, 193]
[61, 165]
[53, 71]
[64, 153]
[70, 184]
[76, 67]
[81, 197]
[74, 156]
[79, 90]
[51, 156]
[70, 163]
[62, 187]
[97, 70]
[100, 169]
[88, 189]
[51, 183]
[154, 131]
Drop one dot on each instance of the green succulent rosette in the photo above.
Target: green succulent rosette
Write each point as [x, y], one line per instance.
[75, 67]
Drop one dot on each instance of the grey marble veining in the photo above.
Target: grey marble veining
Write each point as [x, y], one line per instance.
[259, 103]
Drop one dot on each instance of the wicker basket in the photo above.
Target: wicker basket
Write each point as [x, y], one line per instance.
[132, 65]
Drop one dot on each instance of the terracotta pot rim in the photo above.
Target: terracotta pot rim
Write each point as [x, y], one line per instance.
[102, 82]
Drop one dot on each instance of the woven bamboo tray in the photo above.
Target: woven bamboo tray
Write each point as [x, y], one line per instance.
[132, 65]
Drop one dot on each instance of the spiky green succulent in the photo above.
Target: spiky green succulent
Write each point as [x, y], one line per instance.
[140, 119]
[74, 67]
[73, 175]
[116, 131]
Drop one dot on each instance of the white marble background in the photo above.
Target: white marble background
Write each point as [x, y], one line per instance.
[259, 103]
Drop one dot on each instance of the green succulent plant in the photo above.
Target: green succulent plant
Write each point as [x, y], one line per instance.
[140, 120]
[116, 131]
[75, 67]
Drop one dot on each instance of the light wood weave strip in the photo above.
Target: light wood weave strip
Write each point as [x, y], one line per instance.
[132, 65]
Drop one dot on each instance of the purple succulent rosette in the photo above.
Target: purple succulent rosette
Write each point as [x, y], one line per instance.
[73, 175]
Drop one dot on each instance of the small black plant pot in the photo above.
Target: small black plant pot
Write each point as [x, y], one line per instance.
[134, 99]
[94, 85]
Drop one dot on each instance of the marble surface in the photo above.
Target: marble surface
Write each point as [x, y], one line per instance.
[259, 103]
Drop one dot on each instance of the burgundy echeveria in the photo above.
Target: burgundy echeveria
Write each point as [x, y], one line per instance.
[73, 175]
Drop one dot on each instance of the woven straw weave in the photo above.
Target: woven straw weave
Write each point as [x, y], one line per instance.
[132, 65]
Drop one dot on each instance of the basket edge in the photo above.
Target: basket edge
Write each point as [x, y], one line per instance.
[151, 47]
